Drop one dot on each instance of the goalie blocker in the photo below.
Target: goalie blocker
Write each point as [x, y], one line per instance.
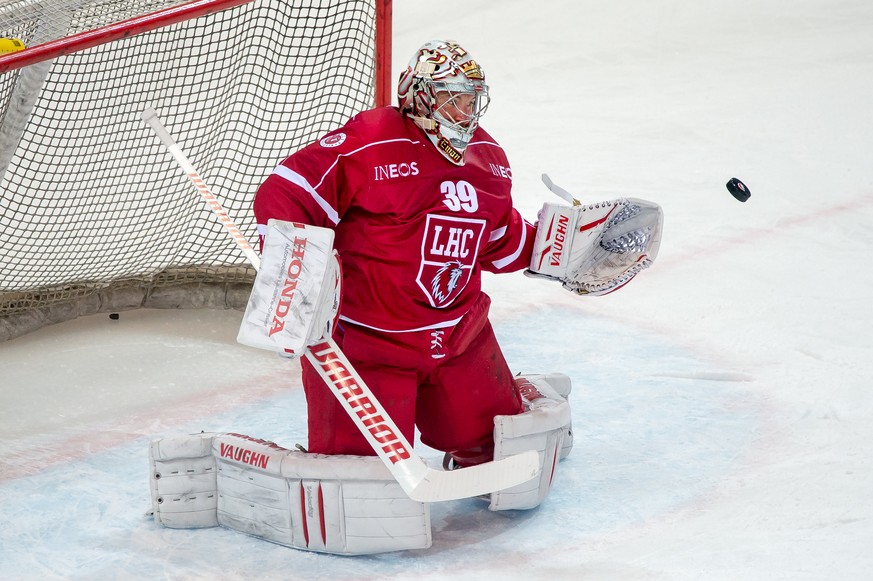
[296, 295]
[598, 248]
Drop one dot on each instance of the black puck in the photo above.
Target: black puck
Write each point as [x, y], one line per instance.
[113, 316]
[738, 189]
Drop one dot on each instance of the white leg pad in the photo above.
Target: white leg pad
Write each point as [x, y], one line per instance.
[544, 426]
[184, 493]
[348, 505]
[562, 386]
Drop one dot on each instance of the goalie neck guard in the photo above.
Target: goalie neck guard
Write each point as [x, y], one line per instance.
[443, 90]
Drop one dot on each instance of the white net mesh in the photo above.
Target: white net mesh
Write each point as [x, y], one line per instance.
[90, 201]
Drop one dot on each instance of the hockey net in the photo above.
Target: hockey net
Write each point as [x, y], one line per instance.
[95, 215]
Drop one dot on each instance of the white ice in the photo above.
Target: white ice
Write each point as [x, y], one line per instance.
[723, 403]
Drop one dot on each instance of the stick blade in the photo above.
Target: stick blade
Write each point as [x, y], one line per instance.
[440, 485]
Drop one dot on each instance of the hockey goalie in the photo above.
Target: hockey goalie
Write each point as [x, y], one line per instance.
[376, 235]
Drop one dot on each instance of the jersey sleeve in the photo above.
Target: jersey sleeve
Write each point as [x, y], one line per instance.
[510, 245]
[314, 185]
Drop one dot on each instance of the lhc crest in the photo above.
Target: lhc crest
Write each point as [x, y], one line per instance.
[448, 253]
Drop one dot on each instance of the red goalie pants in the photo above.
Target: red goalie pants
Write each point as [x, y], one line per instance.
[449, 382]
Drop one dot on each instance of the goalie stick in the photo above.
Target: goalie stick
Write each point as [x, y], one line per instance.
[421, 482]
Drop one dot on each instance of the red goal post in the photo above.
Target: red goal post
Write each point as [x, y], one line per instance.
[94, 215]
[186, 11]
[113, 31]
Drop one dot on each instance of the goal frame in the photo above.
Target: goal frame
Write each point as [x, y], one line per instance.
[174, 287]
[196, 8]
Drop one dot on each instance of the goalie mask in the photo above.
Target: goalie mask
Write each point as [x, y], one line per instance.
[443, 90]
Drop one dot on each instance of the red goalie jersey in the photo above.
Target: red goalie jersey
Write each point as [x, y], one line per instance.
[413, 230]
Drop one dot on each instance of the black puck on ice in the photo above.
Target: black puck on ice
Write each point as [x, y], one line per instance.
[113, 316]
[738, 189]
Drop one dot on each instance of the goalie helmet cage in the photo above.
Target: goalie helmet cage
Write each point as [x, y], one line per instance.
[95, 215]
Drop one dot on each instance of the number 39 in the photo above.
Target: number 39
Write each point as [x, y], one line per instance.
[459, 196]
